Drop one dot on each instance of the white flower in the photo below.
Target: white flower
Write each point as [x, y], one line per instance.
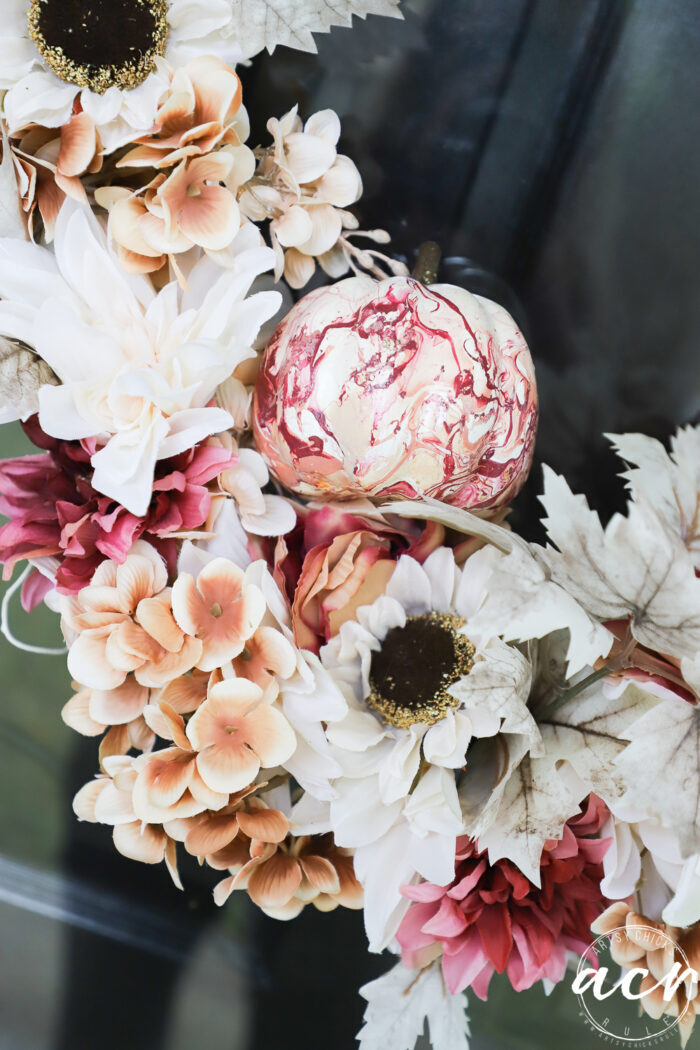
[419, 687]
[123, 103]
[137, 368]
[645, 858]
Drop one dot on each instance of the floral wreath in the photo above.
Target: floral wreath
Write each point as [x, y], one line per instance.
[317, 657]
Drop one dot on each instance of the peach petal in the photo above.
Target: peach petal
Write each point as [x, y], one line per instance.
[140, 842]
[76, 714]
[211, 219]
[85, 800]
[228, 768]
[235, 855]
[298, 268]
[270, 735]
[140, 576]
[156, 617]
[268, 825]
[166, 776]
[140, 736]
[118, 706]
[288, 911]
[186, 693]
[114, 806]
[274, 882]
[223, 890]
[320, 874]
[212, 835]
[351, 894]
[171, 863]
[206, 796]
[227, 704]
[88, 664]
[327, 226]
[169, 665]
[78, 145]
[114, 742]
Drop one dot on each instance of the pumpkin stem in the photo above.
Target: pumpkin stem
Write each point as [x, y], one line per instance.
[427, 263]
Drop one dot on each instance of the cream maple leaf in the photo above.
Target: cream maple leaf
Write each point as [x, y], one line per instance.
[260, 24]
[670, 483]
[661, 764]
[581, 741]
[636, 568]
[398, 1005]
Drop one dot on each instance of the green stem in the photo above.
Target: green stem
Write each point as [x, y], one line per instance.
[574, 691]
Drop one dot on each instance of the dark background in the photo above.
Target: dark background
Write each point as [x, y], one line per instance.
[551, 147]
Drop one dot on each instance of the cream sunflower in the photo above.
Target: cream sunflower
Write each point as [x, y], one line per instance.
[420, 684]
[112, 58]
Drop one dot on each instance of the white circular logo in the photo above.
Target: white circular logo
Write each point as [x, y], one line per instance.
[600, 981]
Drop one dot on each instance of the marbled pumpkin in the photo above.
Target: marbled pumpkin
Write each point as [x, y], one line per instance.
[395, 389]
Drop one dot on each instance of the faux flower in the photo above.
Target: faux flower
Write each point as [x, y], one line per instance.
[338, 558]
[58, 61]
[123, 623]
[302, 185]
[191, 164]
[221, 609]
[138, 368]
[637, 948]
[281, 878]
[490, 918]
[645, 861]
[49, 163]
[236, 733]
[55, 512]
[108, 800]
[419, 688]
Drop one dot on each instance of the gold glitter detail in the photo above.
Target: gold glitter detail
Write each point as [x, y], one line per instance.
[99, 78]
[402, 711]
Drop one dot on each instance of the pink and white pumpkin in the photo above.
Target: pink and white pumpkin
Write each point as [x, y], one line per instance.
[395, 389]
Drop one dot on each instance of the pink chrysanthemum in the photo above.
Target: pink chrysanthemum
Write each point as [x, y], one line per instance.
[491, 918]
[55, 512]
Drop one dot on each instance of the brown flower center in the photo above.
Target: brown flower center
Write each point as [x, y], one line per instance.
[99, 44]
[417, 663]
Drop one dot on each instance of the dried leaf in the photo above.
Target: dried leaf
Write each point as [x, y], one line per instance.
[12, 222]
[637, 568]
[670, 483]
[400, 1001]
[22, 374]
[581, 741]
[260, 24]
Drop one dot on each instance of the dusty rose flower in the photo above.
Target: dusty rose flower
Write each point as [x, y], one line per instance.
[55, 512]
[635, 948]
[282, 878]
[123, 623]
[49, 163]
[491, 918]
[236, 734]
[222, 610]
[302, 186]
[338, 558]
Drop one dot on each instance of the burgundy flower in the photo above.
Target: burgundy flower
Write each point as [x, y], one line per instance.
[492, 918]
[55, 512]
